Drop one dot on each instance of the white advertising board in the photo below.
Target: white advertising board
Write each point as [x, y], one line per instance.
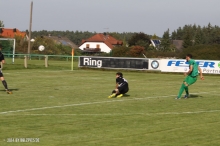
[180, 65]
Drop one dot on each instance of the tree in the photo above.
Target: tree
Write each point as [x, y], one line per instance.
[217, 35]
[142, 43]
[179, 34]
[174, 35]
[199, 37]
[208, 33]
[154, 37]
[125, 44]
[139, 39]
[121, 51]
[115, 35]
[187, 39]
[209, 52]
[136, 51]
[165, 42]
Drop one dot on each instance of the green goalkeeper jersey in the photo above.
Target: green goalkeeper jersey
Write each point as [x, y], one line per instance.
[194, 72]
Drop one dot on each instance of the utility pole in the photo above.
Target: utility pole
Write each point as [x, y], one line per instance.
[30, 25]
[107, 29]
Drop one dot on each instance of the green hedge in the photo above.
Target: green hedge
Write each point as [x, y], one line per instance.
[207, 52]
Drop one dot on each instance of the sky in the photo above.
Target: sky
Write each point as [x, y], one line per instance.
[148, 16]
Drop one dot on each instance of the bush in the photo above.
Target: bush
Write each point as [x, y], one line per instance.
[136, 51]
[120, 51]
[206, 52]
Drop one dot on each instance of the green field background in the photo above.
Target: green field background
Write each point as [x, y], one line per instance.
[64, 107]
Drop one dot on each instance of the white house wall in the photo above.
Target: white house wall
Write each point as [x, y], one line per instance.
[102, 46]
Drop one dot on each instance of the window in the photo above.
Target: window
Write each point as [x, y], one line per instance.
[97, 46]
[87, 45]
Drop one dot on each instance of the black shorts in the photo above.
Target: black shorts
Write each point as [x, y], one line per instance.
[1, 74]
[123, 88]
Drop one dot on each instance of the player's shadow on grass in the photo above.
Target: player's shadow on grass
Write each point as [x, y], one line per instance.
[126, 95]
[194, 96]
[10, 90]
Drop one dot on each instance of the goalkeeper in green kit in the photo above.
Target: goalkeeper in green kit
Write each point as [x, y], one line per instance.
[191, 76]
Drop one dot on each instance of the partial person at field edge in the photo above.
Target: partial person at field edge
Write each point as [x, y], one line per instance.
[2, 61]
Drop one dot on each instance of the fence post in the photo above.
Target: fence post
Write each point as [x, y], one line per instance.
[46, 61]
[25, 61]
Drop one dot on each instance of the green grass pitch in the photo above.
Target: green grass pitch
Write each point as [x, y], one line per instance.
[63, 107]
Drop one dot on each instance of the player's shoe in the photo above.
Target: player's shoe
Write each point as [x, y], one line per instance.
[177, 97]
[8, 91]
[112, 95]
[119, 96]
[186, 96]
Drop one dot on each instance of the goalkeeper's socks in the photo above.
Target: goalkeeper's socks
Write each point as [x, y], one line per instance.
[5, 84]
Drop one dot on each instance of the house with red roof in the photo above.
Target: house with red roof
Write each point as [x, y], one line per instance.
[11, 33]
[100, 43]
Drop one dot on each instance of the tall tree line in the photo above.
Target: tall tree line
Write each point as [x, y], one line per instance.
[197, 35]
[195, 38]
[77, 36]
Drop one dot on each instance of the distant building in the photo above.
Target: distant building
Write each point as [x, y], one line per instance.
[11, 33]
[178, 44]
[155, 43]
[100, 43]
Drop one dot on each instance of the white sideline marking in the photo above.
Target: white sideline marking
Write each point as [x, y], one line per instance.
[119, 114]
[90, 103]
[21, 72]
[195, 112]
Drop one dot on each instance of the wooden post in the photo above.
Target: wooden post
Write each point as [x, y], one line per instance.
[25, 61]
[30, 25]
[46, 61]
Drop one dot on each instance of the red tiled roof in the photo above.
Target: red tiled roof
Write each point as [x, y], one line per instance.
[11, 33]
[107, 39]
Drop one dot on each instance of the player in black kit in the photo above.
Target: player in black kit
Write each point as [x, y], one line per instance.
[121, 86]
[2, 60]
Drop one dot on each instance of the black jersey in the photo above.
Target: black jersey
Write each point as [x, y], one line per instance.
[120, 81]
[1, 57]
[122, 85]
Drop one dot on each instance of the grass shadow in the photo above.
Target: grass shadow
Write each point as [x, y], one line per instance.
[126, 95]
[194, 96]
[11, 90]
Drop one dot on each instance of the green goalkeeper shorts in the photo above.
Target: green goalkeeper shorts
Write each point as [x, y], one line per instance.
[190, 80]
